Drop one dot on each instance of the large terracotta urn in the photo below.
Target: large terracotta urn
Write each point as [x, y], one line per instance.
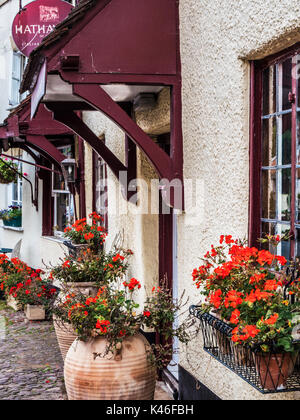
[125, 375]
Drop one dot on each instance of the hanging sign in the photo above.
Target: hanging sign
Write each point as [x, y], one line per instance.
[36, 20]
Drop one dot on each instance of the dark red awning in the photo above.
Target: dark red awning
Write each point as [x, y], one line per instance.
[101, 47]
[24, 133]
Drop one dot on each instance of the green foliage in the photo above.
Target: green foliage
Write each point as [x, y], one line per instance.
[7, 175]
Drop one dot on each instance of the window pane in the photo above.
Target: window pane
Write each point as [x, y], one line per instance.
[286, 83]
[284, 247]
[284, 194]
[64, 211]
[59, 182]
[269, 90]
[277, 229]
[269, 142]
[267, 229]
[269, 194]
[15, 191]
[284, 139]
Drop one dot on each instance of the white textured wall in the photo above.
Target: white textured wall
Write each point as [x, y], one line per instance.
[35, 249]
[215, 36]
[139, 231]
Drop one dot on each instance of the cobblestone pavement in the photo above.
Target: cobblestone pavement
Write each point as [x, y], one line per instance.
[31, 366]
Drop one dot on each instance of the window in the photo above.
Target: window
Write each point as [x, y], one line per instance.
[275, 154]
[63, 199]
[100, 187]
[18, 66]
[15, 190]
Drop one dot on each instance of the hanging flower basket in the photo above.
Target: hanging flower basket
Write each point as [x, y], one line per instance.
[7, 174]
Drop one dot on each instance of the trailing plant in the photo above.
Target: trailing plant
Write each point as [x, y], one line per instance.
[82, 233]
[25, 284]
[244, 286]
[87, 266]
[7, 171]
[114, 314]
[13, 212]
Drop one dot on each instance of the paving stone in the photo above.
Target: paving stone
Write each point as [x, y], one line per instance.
[29, 358]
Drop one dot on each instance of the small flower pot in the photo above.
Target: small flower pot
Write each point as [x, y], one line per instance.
[35, 312]
[13, 303]
[273, 369]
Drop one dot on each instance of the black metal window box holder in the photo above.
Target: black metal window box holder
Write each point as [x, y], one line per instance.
[267, 373]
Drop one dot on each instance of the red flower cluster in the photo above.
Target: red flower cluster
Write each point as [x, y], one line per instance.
[240, 284]
[132, 284]
[23, 283]
[102, 325]
[82, 232]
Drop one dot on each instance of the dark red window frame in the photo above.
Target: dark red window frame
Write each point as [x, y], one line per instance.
[256, 112]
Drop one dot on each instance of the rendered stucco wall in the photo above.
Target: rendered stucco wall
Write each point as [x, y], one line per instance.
[217, 38]
[138, 231]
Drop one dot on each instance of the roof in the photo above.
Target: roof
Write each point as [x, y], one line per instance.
[111, 37]
[36, 58]
[18, 108]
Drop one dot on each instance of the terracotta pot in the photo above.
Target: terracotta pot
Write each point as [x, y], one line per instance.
[90, 376]
[65, 336]
[273, 369]
[242, 356]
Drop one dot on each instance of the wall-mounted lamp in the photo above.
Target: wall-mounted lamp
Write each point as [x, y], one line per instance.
[69, 170]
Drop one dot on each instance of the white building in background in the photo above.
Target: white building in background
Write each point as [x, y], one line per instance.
[12, 66]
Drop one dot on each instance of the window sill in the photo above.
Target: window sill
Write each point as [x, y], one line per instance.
[16, 229]
[54, 239]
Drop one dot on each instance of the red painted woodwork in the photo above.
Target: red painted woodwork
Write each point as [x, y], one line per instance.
[71, 120]
[254, 231]
[256, 89]
[139, 44]
[132, 34]
[45, 146]
[81, 181]
[98, 98]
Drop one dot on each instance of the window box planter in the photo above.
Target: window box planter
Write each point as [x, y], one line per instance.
[267, 372]
[35, 312]
[13, 222]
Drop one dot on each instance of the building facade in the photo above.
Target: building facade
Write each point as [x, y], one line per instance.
[222, 82]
